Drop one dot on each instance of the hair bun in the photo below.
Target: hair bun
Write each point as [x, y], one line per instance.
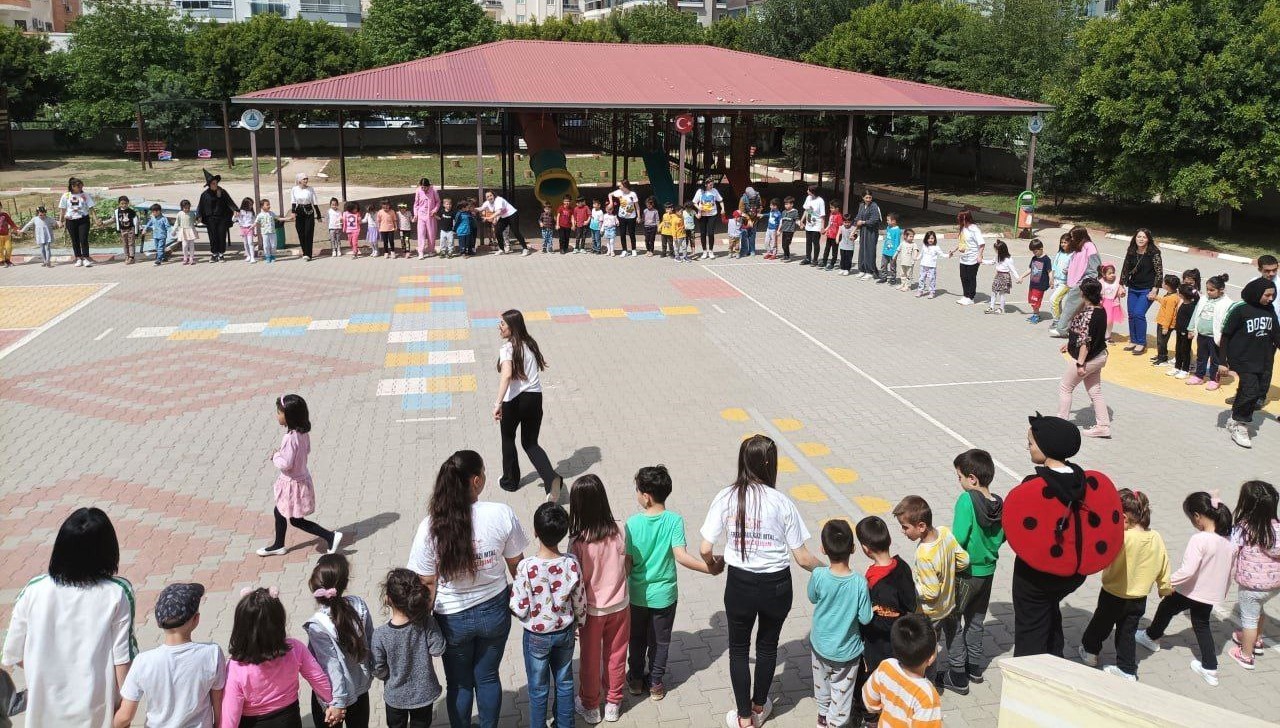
[1225, 277]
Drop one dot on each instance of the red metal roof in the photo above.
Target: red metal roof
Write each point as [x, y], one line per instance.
[532, 74]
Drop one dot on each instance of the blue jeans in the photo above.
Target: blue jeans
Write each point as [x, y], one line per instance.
[1137, 308]
[547, 236]
[748, 243]
[548, 660]
[474, 642]
[595, 240]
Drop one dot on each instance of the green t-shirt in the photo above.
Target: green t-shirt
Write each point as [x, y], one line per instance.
[652, 582]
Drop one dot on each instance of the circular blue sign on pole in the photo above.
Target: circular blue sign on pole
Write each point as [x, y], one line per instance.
[252, 119]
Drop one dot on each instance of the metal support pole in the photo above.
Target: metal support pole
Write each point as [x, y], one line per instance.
[680, 171]
[279, 171]
[142, 141]
[226, 136]
[342, 155]
[479, 158]
[440, 149]
[253, 154]
[708, 147]
[626, 153]
[804, 153]
[1031, 161]
[928, 160]
[503, 122]
[613, 122]
[848, 162]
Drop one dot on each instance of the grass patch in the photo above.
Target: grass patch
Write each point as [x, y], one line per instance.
[117, 170]
[460, 171]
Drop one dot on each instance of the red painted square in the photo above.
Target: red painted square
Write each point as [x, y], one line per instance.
[642, 308]
[703, 288]
[577, 318]
[8, 336]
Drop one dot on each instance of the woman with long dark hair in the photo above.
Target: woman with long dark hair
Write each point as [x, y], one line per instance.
[710, 206]
[1087, 346]
[1140, 275]
[764, 533]
[970, 244]
[464, 551]
[75, 212]
[519, 405]
[1085, 260]
[72, 627]
[305, 212]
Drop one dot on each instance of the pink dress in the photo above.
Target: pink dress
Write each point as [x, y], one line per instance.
[1111, 301]
[295, 496]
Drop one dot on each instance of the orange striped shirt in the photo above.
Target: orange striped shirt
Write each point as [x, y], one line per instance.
[902, 699]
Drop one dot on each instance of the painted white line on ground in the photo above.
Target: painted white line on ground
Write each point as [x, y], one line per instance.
[457, 356]
[428, 419]
[717, 307]
[987, 381]
[103, 335]
[860, 372]
[249, 328]
[55, 320]
[820, 478]
[151, 332]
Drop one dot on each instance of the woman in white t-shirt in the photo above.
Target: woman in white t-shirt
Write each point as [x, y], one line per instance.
[814, 219]
[627, 204]
[764, 532]
[305, 213]
[970, 244]
[75, 213]
[72, 628]
[519, 405]
[464, 551]
[710, 205]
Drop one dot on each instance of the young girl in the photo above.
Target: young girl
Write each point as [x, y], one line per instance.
[596, 225]
[1166, 317]
[1142, 563]
[335, 228]
[1200, 584]
[1003, 281]
[1256, 538]
[1188, 296]
[265, 222]
[371, 229]
[595, 538]
[834, 222]
[609, 229]
[385, 218]
[402, 651]
[1110, 296]
[295, 493]
[186, 224]
[404, 225]
[1061, 261]
[246, 219]
[338, 636]
[929, 253]
[264, 665]
[1206, 329]
[733, 233]
[351, 228]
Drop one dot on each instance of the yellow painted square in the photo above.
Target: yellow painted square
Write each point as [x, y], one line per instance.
[288, 322]
[26, 307]
[735, 414]
[537, 316]
[415, 279]
[841, 476]
[406, 358]
[445, 291]
[195, 335]
[602, 313]
[787, 465]
[808, 493]
[813, 449]
[415, 307]
[367, 328]
[873, 505]
[679, 310]
[448, 334]
[456, 383]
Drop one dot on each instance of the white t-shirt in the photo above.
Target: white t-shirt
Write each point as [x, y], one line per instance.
[300, 195]
[70, 640]
[76, 204]
[929, 256]
[628, 203]
[497, 535]
[498, 205]
[774, 528]
[174, 681]
[971, 239]
[707, 202]
[1007, 266]
[817, 209]
[531, 382]
[335, 219]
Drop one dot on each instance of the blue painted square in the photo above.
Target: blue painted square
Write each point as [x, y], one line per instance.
[443, 306]
[484, 323]
[447, 278]
[427, 370]
[440, 401]
[646, 315]
[198, 325]
[412, 292]
[567, 311]
[370, 318]
[427, 346]
[285, 331]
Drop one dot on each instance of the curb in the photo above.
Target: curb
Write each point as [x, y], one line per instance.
[26, 257]
[1229, 257]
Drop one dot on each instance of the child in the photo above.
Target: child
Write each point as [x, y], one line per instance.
[889, 250]
[908, 258]
[597, 542]
[846, 239]
[977, 528]
[670, 228]
[1142, 563]
[834, 222]
[564, 223]
[939, 559]
[1188, 296]
[1061, 261]
[350, 227]
[385, 220]
[402, 651]
[898, 688]
[266, 224]
[547, 226]
[1039, 270]
[1166, 317]
[294, 492]
[733, 233]
[596, 226]
[609, 229]
[1256, 538]
[1200, 583]
[649, 218]
[841, 605]
[581, 225]
[1209, 316]
[929, 253]
[404, 225]
[158, 224]
[338, 636]
[181, 680]
[371, 229]
[465, 226]
[444, 221]
[787, 226]
[747, 235]
[7, 231]
[43, 227]
[126, 224]
[1250, 337]
[772, 223]
[262, 674]
[335, 228]
[186, 223]
[892, 592]
[655, 544]
[548, 598]
[1110, 296]
[245, 219]
[1002, 283]
[690, 215]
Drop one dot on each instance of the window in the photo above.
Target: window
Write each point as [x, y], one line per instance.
[259, 8]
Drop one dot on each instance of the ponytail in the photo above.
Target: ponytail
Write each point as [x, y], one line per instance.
[450, 513]
[328, 583]
[1136, 506]
[757, 466]
[1203, 504]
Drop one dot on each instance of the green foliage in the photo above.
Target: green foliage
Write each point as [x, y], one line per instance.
[789, 28]
[656, 24]
[23, 71]
[728, 32]
[174, 123]
[568, 29]
[266, 51]
[395, 31]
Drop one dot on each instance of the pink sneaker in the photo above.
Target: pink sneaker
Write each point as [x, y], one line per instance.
[1212, 385]
[1194, 380]
[1245, 661]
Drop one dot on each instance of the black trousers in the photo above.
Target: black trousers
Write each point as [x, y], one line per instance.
[1175, 604]
[969, 279]
[1251, 393]
[388, 238]
[1162, 342]
[786, 243]
[1181, 351]
[1122, 615]
[650, 643]
[409, 717]
[627, 228]
[812, 245]
[749, 597]
[523, 413]
[564, 239]
[846, 260]
[301, 524]
[357, 713]
[707, 229]
[1037, 610]
[650, 234]
[831, 249]
[580, 241]
[78, 231]
[289, 716]
[511, 221]
[219, 229]
[305, 224]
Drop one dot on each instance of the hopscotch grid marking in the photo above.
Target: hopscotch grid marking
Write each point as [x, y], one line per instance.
[56, 319]
[803, 462]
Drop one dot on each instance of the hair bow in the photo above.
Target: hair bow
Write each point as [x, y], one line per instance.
[1214, 500]
[271, 591]
[329, 593]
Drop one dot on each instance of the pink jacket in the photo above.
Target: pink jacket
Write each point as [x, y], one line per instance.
[1257, 570]
[270, 686]
[1205, 573]
[425, 203]
[604, 573]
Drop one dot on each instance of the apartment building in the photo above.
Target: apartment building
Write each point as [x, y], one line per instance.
[707, 11]
[39, 16]
[530, 11]
[342, 13]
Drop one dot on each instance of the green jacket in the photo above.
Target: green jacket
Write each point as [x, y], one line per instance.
[977, 527]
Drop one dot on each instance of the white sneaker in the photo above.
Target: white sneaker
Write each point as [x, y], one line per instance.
[758, 719]
[79, 262]
[268, 551]
[1173, 371]
[1239, 432]
[421, 256]
[1141, 638]
[1210, 676]
[965, 301]
[844, 272]
[88, 263]
[1113, 670]
[337, 543]
[526, 252]
[377, 253]
[612, 712]
[1181, 375]
[590, 716]
[1086, 657]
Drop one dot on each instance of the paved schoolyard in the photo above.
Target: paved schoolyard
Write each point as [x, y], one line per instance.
[150, 393]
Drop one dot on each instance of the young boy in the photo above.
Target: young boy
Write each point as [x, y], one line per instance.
[1040, 270]
[182, 680]
[908, 256]
[670, 228]
[846, 239]
[581, 225]
[649, 218]
[127, 226]
[977, 529]
[596, 225]
[889, 251]
[549, 599]
[898, 688]
[1188, 296]
[655, 544]
[733, 233]
[404, 226]
[787, 225]
[690, 215]
[939, 559]
[564, 223]
[43, 227]
[1166, 318]
[547, 226]
[158, 224]
[834, 223]
[335, 228]
[464, 226]
[892, 592]
[772, 223]
[7, 230]
[444, 221]
[841, 605]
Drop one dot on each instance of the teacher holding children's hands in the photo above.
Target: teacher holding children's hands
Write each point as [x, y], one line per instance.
[519, 405]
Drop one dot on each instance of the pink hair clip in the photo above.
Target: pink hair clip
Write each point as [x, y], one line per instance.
[329, 593]
[1214, 500]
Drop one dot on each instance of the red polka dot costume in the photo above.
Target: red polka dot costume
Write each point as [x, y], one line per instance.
[1060, 538]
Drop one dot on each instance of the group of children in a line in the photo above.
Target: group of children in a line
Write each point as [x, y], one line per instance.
[381, 228]
[577, 227]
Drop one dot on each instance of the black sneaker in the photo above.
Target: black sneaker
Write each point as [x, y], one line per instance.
[975, 675]
[509, 487]
[956, 682]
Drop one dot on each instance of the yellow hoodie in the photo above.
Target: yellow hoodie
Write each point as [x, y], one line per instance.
[1142, 562]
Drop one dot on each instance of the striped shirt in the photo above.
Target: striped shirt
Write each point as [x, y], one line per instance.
[902, 699]
[937, 563]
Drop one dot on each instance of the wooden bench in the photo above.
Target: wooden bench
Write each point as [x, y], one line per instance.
[132, 147]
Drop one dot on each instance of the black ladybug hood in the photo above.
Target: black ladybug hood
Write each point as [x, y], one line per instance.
[987, 510]
[1066, 487]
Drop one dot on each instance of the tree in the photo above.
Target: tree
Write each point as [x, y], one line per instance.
[656, 24]
[174, 122]
[395, 31]
[789, 28]
[728, 32]
[23, 70]
[266, 51]
[567, 29]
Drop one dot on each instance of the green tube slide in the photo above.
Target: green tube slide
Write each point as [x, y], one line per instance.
[552, 182]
